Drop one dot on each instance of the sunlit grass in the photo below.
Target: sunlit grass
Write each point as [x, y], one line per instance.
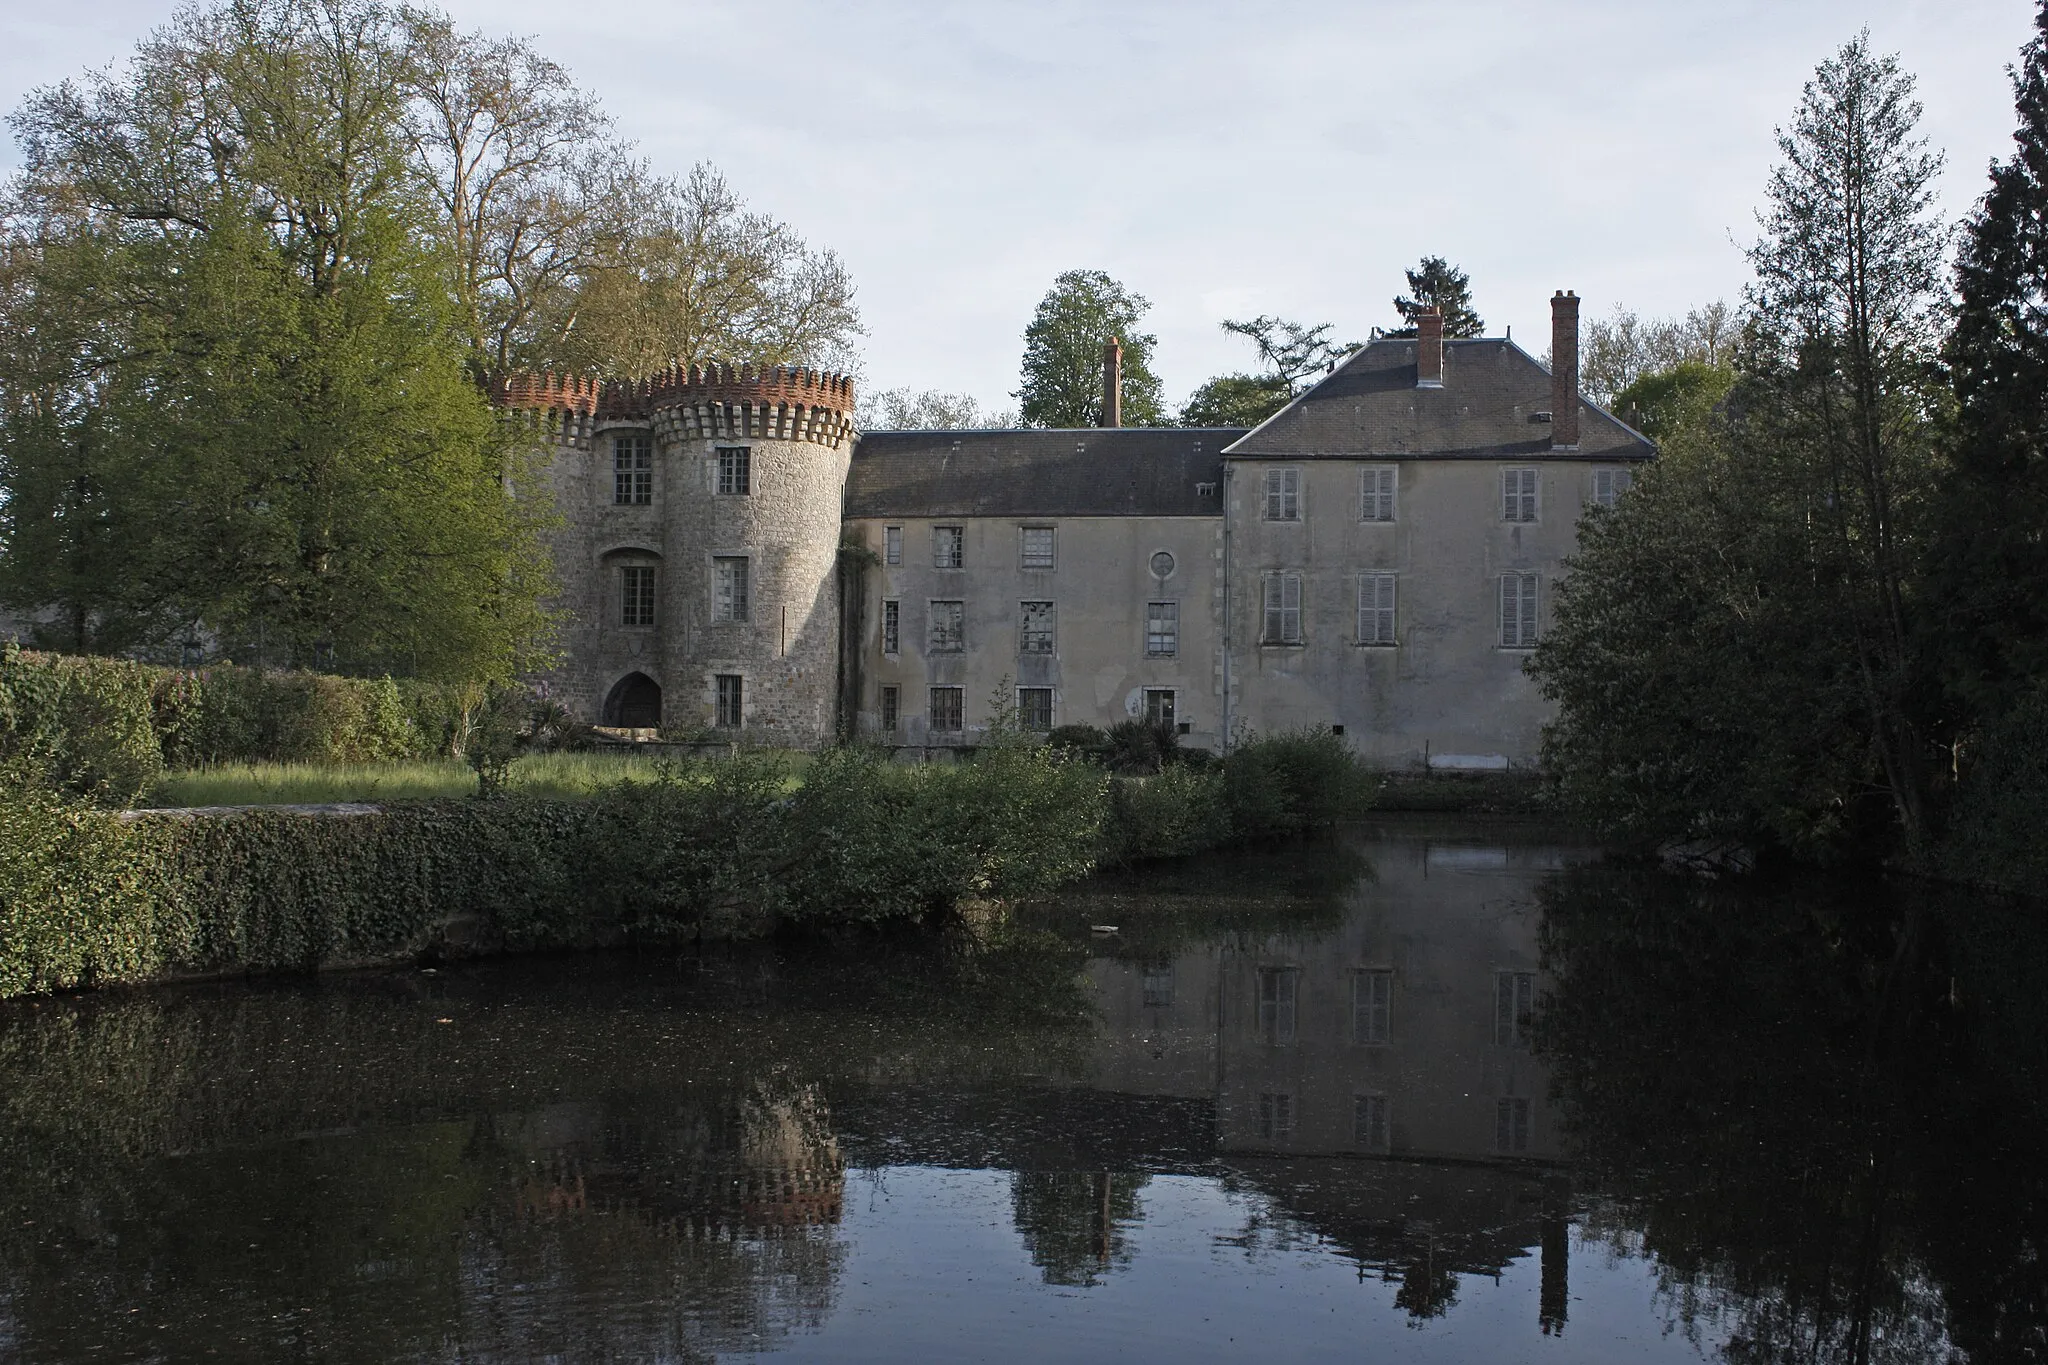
[296, 784]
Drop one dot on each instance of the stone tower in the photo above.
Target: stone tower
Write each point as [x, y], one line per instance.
[698, 549]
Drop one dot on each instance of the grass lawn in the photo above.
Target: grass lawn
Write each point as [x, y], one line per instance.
[286, 784]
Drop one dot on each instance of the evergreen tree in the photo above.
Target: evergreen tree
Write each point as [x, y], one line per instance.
[1992, 569]
[1063, 345]
[1440, 285]
[1733, 653]
[1290, 354]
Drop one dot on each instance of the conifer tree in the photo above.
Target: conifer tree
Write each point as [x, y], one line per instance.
[1440, 285]
[1992, 566]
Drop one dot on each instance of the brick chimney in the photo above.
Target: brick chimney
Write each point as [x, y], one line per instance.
[1112, 383]
[1429, 349]
[1564, 370]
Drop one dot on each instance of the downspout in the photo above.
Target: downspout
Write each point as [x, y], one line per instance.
[1229, 603]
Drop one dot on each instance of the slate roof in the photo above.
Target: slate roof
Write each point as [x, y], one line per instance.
[1086, 472]
[1486, 410]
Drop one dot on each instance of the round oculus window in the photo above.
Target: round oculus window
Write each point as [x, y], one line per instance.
[1162, 564]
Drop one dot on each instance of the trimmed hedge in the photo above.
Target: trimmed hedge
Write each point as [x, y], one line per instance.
[104, 728]
[720, 851]
[724, 849]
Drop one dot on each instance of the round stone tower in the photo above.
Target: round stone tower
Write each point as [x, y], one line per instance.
[698, 555]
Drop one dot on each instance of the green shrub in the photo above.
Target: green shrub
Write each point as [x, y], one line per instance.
[73, 909]
[1178, 813]
[1294, 783]
[86, 722]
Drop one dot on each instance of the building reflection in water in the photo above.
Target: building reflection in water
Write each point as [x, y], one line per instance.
[1374, 1077]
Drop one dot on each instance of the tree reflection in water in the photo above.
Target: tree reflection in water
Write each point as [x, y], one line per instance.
[1818, 1109]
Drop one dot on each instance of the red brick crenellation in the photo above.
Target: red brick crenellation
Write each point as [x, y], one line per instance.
[678, 386]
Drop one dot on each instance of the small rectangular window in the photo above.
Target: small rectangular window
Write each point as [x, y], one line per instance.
[1283, 495]
[1376, 493]
[1276, 1115]
[1034, 631]
[948, 547]
[892, 626]
[1038, 547]
[890, 706]
[1157, 983]
[1372, 1007]
[948, 709]
[1034, 709]
[731, 701]
[1276, 1004]
[729, 588]
[1162, 630]
[1511, 1126]
[1283, 609]
[632, 471]
[735, 470]
[1609, 485]
[1159, 708]
[1518, 495]
[1518, 611]
[1514, 1002]
[892, 544]
[948, 628]
[1369, 1123]
[1376, 609]
[636, 592]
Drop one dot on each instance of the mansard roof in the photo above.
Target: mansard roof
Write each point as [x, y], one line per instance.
[1082, 472]
[1487, 409]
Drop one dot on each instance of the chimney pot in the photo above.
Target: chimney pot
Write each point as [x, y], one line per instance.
[1112, 383]
[1564, 370]
[1429, 349]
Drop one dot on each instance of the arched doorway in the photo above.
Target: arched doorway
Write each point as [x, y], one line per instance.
[635, 703]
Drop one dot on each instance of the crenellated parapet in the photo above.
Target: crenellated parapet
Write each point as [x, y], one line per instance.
[702, 402]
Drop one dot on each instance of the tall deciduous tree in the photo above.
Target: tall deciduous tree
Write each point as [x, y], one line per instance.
[1062, 378]
[1993, 561]
[1438, 284]
[1624, 346]
[242, 401]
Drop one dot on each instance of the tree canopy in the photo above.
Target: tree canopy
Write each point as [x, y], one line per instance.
[1436, 283]
[1733, 654]
[1289, 353]
[248, 281]
[1062, 373]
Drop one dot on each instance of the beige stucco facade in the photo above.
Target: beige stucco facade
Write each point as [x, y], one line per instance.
[1448, 686]
[1106, 573]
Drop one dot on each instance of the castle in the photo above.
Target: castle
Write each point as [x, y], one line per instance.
[1377, 557]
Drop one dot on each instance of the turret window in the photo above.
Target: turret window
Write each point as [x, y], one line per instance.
[735, 470]
[632, 471]
[729, 588]
[636, 595]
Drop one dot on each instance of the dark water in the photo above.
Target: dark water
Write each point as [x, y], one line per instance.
[1436, 1094]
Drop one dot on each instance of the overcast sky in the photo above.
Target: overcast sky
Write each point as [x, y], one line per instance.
[1222, 159]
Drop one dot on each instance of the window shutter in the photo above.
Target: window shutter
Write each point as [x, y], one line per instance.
[1273, 494]
[1290, 606]
[1273, 609]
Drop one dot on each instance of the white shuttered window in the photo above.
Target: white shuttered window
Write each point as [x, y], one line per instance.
[1283, 609]
[1518, 611]
[1376, 609]
[1283, 495]
[1376, 494]
[1518, 495]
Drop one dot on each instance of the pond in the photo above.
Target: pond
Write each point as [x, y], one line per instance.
[1432, 1092]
